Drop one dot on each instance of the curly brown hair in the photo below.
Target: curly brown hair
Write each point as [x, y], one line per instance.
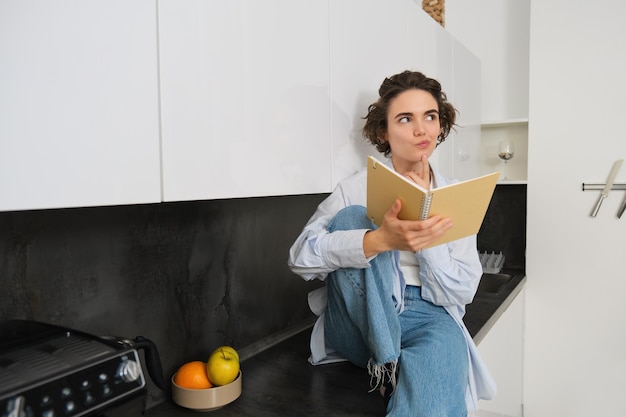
[375, 127]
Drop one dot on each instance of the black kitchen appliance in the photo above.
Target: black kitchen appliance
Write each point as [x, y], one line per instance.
[52, 371]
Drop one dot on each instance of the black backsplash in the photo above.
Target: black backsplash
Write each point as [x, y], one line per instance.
[190, 275]
[504, 227]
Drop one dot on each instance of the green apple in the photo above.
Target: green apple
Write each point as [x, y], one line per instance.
[222, 367]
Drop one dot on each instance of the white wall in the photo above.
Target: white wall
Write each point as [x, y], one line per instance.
[575, 362]
[575, 341]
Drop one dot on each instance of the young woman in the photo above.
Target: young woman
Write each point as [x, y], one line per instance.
[388, 304]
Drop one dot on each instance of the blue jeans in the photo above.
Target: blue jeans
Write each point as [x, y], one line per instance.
[362, 324]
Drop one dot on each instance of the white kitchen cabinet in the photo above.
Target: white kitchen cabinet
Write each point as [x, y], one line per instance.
[78, 103]
[498, 33]
[460, 155]
[502, 350]
[363, 54]
[245, 98]
[268, 98]
[430, 52]
[363, 51]
[501, 42]
[428, 45]
[110, 102]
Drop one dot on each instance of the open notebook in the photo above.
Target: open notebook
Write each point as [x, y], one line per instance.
[464, 202]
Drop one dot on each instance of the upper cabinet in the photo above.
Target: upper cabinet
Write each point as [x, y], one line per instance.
[438, 54]
[245, 98]
[460, 154]
[504, 69]
[362, 54]
[113, 102]
[78, 103]
[466, 97]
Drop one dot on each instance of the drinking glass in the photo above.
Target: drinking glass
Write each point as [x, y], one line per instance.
[506, 150]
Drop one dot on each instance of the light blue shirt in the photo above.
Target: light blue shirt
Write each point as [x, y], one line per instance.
[449, 274]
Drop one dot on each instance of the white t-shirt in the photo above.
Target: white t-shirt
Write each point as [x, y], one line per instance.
[410, 267]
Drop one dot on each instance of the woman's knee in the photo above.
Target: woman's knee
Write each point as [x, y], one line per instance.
[351, 218]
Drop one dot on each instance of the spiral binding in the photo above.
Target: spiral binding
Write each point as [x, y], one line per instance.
[426, 202]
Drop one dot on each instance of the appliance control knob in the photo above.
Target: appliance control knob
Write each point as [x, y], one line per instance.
[128, 371]
[16, 407]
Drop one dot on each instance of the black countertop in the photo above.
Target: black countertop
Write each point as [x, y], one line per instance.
[486, 309]
[279, 381]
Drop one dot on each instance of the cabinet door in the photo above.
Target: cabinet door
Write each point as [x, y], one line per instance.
[502, 351]
[424, 44]
[363, 53]
[245, 105]
[465, 141]
[367, 44]
[430, 52]
[78, 103]
[458, 71]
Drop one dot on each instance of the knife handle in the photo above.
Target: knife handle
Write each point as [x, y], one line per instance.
[621, 209]
[598, 204]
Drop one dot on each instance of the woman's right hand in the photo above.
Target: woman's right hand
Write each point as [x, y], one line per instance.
[406, 235]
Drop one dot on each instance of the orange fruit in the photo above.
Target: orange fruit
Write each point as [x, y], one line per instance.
[193, 375]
